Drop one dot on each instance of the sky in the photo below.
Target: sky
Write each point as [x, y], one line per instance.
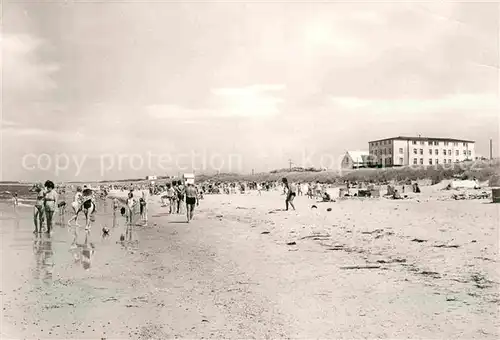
[94, 90]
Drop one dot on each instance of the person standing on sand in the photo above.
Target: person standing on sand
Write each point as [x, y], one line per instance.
[191, 195]
[38, 211]
[115, 208]
[50, 201]
[144, 208]
[76, 205]
[131, 203]
[181, 191]
[15, 201]
[172, 197]
[291, 192]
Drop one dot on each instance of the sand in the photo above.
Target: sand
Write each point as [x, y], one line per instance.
[241, 269]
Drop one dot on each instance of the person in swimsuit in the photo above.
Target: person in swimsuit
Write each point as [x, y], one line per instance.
[88, 207]
[116, 205]
[15, 201]
[143, 206]
[181, 191]
[38, 211]
[291, 193]
[76, 205]
[191, 194]
[172, 197]
[131, 203]
[50, 204]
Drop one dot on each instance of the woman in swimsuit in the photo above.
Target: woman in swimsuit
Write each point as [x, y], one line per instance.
[180, 196]
[131, 203]
[38, 211]
[76, 205]
[172, 198]
[50, 202]
[88, 207]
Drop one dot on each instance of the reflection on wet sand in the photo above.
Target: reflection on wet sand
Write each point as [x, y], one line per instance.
[42, 249]
[83, 252]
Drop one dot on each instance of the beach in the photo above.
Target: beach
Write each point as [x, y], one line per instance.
[369, 268]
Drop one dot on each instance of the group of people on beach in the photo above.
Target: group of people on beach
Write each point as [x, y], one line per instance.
[177, 193]
[45, 206]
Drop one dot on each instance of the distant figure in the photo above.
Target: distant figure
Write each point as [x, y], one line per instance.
[416, 188]
[191, 194]
[116, 205]
[15, 201]
[326, 197]
[143, 209]
[396, 195]
[291, 192]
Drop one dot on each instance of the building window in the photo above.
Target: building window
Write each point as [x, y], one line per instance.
[457, 152]
[415, 151]
[449, 152]
[465, 144]
[436, 152]
[446, 143]
[444, 152]
[401, 150]
[455, 144]
[414, 142]
[422, 142]
[430, 161]
[421, 151]
[430, 151]
[401, 161]
[421, 161]
[470, 153]
[437, 161]
[415, 161]
[465, 153]
[449, 161]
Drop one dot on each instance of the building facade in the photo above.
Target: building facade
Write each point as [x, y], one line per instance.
[355, 160]
[401, 151]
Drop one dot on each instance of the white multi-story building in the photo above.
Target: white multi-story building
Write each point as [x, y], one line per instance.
[400, 151]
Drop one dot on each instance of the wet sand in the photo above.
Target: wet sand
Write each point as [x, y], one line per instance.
[241, 269]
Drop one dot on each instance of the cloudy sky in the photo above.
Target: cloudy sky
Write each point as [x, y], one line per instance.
[235, 85]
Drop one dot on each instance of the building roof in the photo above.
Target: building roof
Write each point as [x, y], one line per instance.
[446, 139]
[358, 156]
